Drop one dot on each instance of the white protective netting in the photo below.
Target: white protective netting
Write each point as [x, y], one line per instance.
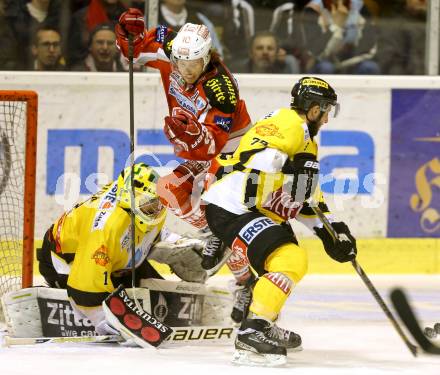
[12, 165]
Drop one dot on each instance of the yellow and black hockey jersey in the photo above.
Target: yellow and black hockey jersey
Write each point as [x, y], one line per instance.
[248, 180]
[93, 241]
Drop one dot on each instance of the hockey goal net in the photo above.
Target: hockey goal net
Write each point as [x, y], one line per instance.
[18, 136]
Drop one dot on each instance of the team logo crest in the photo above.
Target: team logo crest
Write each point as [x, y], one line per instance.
[100, 256]
[268, 130]
[200, 103]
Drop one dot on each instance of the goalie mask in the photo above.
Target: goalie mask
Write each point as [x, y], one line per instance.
[149, 211]
[192, 42]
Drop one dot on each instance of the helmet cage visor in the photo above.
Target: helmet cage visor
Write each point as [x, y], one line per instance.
[330, 106]
[151, 207]
[144, 200]
[147, 207]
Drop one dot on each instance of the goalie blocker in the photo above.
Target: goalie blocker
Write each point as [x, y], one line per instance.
[133, 322]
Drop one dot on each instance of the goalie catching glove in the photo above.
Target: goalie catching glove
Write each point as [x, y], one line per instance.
[341, 250]
[183, 257]
[130, 22]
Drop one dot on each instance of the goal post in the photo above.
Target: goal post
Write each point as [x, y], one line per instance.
[18, 144]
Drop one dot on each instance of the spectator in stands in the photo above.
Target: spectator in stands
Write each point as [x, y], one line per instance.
[380, 8]
[23, 18]
[75, 5]
[239, 28]
[306, 32]
[401, 46]
[7, 50]
[46, 49]
[85, 20]
[353, 45]
[265, 57]
[351, 23]
[175, 13]
[138, 4]
[299, 25]
[103, 55]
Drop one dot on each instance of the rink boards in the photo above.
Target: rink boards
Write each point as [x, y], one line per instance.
[380, 159]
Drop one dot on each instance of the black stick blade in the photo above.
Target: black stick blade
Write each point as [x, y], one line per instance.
[409, 318]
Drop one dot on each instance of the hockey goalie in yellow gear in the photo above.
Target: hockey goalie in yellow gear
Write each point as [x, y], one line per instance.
[87, 250]
[269, 180]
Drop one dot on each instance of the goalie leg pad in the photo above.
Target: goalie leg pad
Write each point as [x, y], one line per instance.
[177, 303]
[43, 312]
[133, 323]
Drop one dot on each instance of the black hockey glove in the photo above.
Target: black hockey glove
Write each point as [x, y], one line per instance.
[344, 249]
[303, 170]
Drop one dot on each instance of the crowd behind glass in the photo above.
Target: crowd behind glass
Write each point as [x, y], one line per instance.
[252, 36]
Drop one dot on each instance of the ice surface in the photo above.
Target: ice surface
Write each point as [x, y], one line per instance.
[344, 331]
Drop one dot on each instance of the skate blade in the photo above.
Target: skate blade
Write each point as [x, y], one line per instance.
[247, 358]
[295, 349]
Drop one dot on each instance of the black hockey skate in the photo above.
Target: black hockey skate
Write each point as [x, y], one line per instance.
[254, 347]
[212, 253]
[289, 339]
[433, 332]
[242, 300]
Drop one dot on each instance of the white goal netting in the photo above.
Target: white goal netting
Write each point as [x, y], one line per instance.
[14, 124]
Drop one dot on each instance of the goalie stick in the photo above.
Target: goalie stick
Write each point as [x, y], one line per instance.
[10, 341]
[408, 316]
[412, 348]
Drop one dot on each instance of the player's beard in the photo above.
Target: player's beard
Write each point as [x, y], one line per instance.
[314, 125]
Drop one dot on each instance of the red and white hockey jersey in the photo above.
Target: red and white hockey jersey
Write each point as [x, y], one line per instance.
[213, 99]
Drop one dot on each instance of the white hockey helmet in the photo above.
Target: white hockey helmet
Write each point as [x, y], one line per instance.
[192, 42]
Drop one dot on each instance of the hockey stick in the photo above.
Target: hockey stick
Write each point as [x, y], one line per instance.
[10, 341]
[216, 268]
[132, 215]
[408, 316]
[412, 348]
[132, 193]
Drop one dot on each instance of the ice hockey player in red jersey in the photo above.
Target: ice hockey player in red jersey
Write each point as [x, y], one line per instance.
[206, 118]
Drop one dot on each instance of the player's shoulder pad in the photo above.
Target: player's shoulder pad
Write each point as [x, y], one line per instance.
[222, 91]
[167, 38]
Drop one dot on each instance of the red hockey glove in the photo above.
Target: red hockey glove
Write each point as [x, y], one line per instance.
[130, 22]
[185, 132]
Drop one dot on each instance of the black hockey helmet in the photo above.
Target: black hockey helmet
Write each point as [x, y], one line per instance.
[312, 90]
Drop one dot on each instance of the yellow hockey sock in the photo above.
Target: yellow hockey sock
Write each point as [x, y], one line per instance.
[286, 266]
